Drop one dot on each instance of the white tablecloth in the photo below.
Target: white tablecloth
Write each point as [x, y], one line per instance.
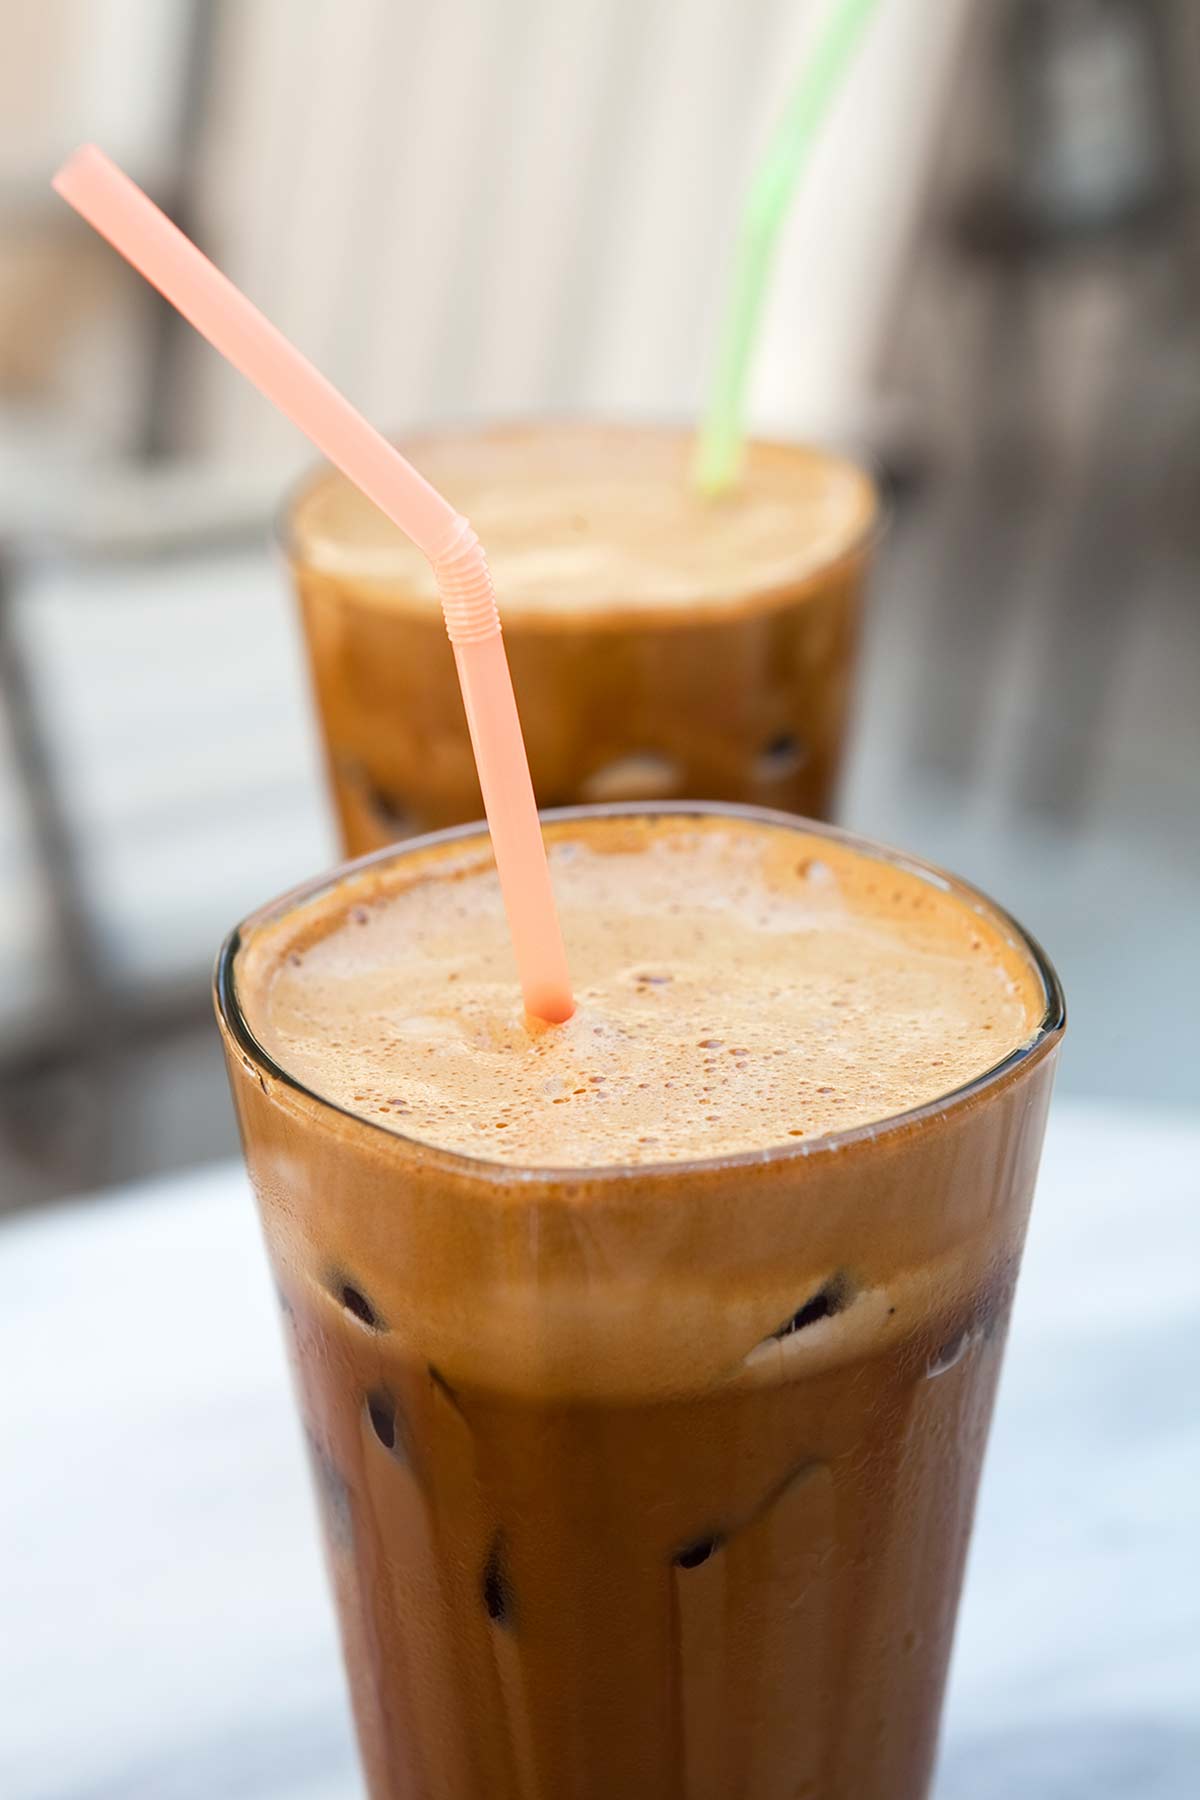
[164, 1628]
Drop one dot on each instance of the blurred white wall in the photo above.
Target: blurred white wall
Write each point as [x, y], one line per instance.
[73, 329]
[109, 69]
[477, 206]
[498, 205]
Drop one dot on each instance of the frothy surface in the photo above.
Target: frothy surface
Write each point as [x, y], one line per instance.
[587, 519]
[739, 985]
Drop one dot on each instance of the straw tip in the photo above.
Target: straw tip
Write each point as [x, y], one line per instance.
[71, 174]
[710, 486]
[715, 468]
[553, 1007]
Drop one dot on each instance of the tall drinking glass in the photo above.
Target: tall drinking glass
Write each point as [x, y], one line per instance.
[646, 1479]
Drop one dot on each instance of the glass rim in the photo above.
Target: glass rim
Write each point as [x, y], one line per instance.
[1044, 1037]
[863, 543]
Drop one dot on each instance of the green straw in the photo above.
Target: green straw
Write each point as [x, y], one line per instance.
[718, 452]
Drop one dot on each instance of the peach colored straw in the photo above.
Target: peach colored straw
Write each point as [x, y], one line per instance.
[122, 213]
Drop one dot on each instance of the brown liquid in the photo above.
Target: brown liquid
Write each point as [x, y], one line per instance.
[662, 645]
[648, 1481]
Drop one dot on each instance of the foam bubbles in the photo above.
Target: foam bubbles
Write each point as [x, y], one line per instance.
[822, 998]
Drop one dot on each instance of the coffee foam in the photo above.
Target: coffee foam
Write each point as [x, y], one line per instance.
[740, 985]
[580, 520]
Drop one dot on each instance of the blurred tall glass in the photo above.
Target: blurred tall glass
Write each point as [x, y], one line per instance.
[663, 646]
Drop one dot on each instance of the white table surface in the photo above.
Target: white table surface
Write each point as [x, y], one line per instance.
[164, 1628]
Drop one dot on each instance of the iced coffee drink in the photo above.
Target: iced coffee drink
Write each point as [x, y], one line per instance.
[646, 1361]
[662, 645]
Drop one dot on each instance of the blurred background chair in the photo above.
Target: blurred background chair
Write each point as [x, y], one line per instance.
[500, 206]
